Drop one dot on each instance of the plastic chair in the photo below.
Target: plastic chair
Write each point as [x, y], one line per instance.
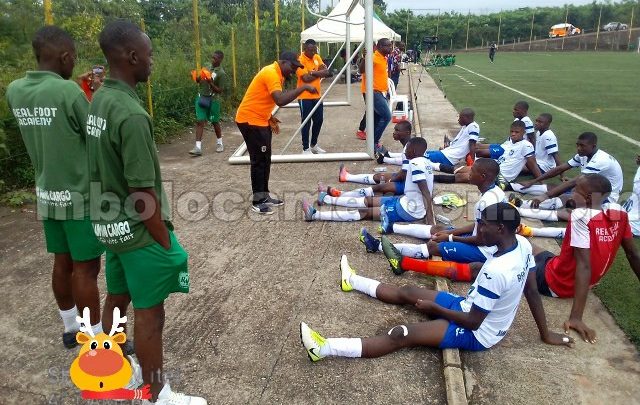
[398, 104]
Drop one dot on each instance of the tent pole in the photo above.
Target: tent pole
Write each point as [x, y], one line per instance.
[348, 57]
[325, 93]
[368, 69]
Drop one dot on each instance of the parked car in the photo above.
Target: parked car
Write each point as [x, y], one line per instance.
[564, 30]
[615, 26]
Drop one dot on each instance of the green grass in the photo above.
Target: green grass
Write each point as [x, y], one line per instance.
[601, 87]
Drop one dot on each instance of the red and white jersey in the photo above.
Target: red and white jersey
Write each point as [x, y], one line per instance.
[600, 231]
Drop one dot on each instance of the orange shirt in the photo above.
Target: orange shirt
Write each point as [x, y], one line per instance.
[309, 65]
[380, 74]
[257, 103]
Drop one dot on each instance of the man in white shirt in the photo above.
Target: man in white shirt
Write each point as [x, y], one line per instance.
[520, 113]
[515, 154]
[590, 159]
[415, 204]
[547, 155]
[462, 145]
[475, 322]
[462, 245]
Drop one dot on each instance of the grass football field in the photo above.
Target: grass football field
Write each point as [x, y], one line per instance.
[600, 87]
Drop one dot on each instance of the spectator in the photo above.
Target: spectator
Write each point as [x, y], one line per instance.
[207, 104]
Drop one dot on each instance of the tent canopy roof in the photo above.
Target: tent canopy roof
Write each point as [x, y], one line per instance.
[333, 31]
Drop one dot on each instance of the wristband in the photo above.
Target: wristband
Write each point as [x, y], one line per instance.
[450, 237]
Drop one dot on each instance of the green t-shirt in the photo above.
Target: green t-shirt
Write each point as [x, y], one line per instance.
[122, 154]
[220, 81]
[51, 114]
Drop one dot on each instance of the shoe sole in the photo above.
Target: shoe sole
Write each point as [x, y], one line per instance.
[195, 154]
[261, 212]
[275, 205]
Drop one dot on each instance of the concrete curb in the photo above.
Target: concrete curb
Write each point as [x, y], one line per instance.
[451, 362]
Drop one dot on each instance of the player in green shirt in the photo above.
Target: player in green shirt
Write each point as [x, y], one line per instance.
[130, 213]
[51, 112]
[209, 91]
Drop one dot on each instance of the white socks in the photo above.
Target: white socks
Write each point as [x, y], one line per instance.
[412, 250]
[364, 285]
[358, 192]
[544, 215]
[219, 141]
[349, 202]
[338, 216]
[97, 328]
[536, 189]
[557, 233]
[69, 319]
[550, 204]
[420, 231]
[342, 347]
[393, 160]
[361, 178]
[436, 166]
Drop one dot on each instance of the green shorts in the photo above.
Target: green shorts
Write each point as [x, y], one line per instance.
[148, 274]
[75, 237]
[212, 114]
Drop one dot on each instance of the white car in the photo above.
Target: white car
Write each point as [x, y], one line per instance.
[615, 26]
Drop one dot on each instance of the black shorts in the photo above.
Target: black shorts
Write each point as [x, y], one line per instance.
[541, 263]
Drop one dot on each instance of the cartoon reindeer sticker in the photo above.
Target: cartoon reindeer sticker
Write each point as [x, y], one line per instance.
[101, 371]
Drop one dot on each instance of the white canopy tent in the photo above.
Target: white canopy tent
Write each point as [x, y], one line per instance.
[332, 31]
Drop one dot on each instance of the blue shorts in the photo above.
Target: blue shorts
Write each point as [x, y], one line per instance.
[495, 151]
[394, 210]
[436, 156]
[456, 336]
[399, 187]
[461, 252]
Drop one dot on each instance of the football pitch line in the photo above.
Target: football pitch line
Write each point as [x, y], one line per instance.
[569, 113]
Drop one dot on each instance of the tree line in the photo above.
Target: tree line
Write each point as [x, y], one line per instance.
[169, 23]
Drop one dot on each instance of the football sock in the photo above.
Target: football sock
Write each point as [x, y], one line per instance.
[219, 141]
[338, 216]
[361, 178]
[412, 250]
[544, 215]
[342, 347]
[199, 144]
[393, 160]
[536, 189]
[345, 201]
[550, 204]
[435, 166]
[549, 232]
[69, 319]
[364, 285]
[97, 328]
[419, 231]
[451, 270]
[359, 192]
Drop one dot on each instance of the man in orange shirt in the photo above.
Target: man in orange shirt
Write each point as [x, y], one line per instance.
[255, 122]
[382, 113]
[313, 70]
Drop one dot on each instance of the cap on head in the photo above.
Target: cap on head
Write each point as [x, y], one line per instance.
[291, 57]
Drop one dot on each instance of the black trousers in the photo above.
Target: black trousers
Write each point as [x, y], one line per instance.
[258, 141]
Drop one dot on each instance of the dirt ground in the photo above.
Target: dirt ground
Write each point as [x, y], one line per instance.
[234, 338]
